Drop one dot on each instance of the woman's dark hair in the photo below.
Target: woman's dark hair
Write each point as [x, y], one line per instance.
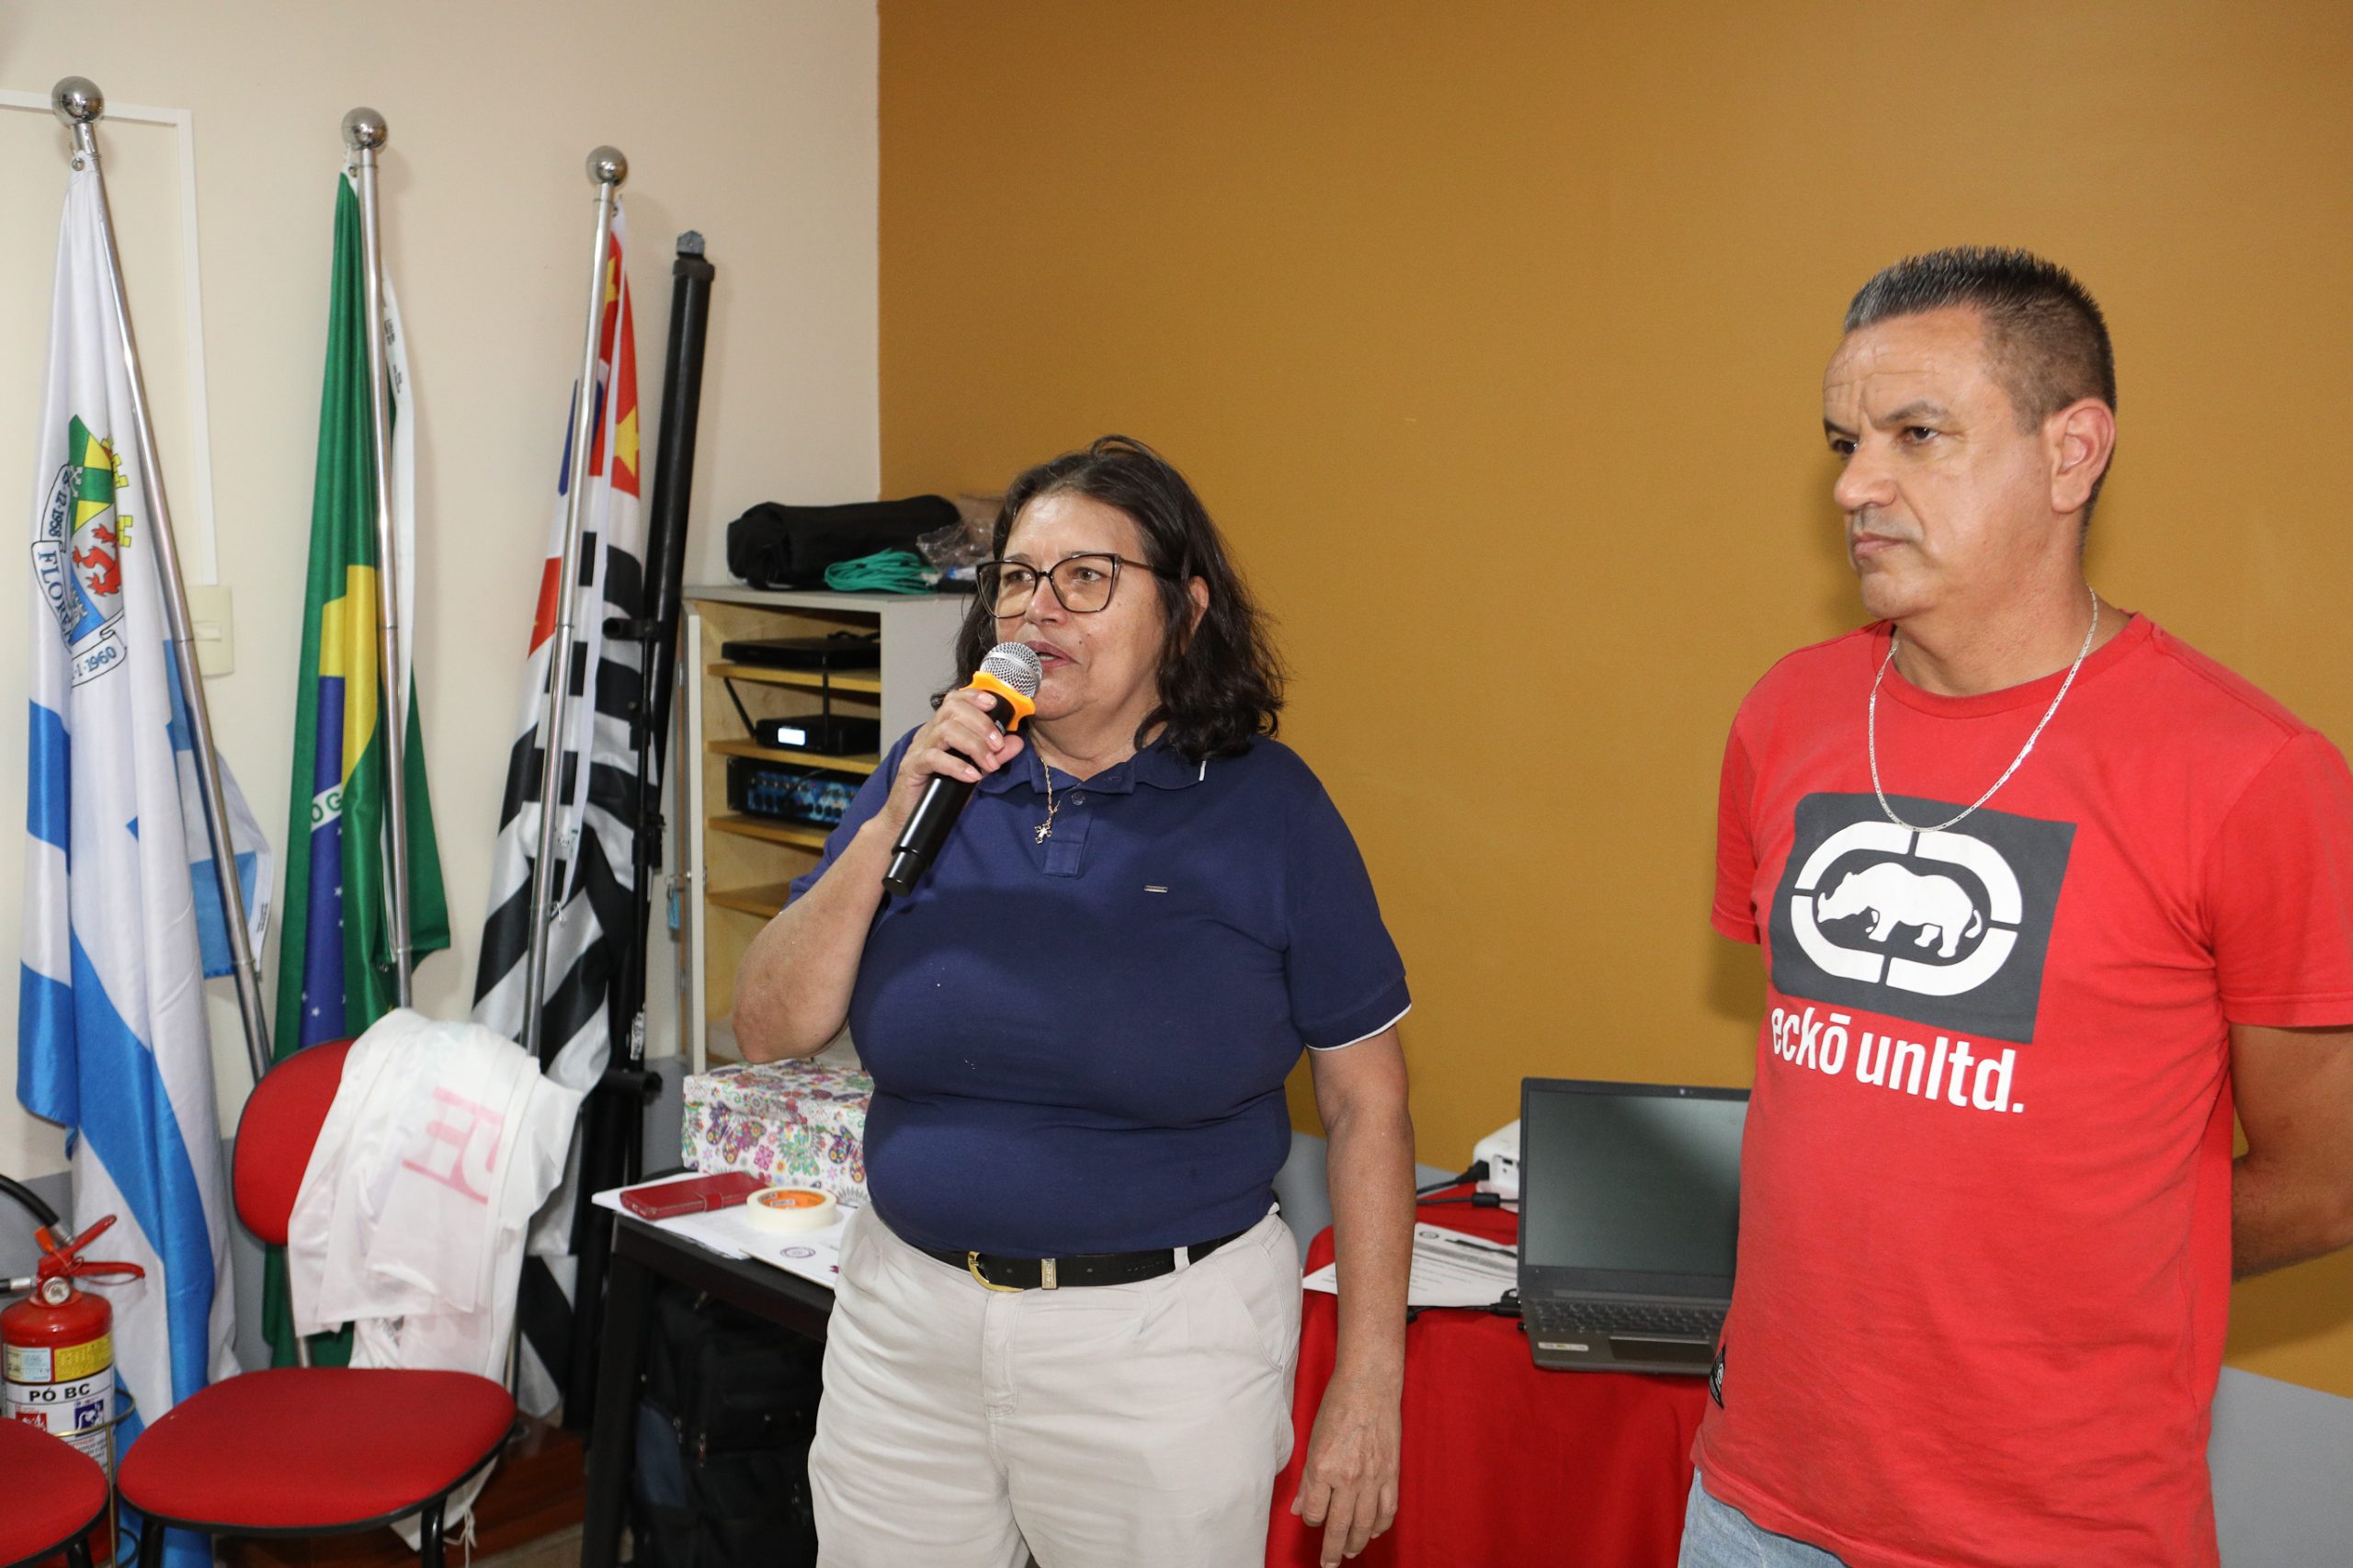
[1221, 683]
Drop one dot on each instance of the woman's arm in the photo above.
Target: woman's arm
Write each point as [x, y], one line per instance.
[792, 990]
[1348, 1487]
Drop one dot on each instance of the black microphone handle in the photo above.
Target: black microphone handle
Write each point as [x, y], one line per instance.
[927, 830]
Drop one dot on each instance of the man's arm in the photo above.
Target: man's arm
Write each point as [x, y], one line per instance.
[2292, 1192]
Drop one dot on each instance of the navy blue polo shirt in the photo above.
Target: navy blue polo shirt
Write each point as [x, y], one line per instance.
[1079, 1045]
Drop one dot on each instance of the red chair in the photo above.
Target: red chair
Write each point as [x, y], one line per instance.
[57, 1496]
[301, 1450]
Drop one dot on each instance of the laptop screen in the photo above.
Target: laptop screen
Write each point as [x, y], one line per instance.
[1629, 1179]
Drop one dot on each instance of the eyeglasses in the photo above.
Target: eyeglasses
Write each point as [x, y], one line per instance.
[1082, 583]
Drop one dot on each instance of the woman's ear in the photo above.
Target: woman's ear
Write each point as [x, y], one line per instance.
[1197, 590]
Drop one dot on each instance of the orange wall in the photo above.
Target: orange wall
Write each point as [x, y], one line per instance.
[1493, 334]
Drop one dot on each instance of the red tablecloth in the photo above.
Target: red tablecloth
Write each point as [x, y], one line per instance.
[1503, 1463]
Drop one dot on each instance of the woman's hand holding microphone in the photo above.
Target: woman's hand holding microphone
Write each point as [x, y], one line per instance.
[961, 741]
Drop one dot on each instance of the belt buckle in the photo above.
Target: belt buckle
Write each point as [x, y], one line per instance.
[972, 1262]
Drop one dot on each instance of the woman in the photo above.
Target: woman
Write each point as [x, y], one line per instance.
[1067, 1322]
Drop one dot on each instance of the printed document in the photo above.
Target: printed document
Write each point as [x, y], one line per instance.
[1451, 1270]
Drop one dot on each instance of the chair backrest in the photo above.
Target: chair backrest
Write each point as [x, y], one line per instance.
[276, 1132]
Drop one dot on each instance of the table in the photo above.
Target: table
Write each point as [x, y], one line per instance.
[1503, 1463]
[641, 1253]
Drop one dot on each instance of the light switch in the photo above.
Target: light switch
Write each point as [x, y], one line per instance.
[214, 627]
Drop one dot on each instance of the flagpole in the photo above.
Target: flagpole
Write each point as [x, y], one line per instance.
[607, 169]
[363, 133]
[77, 101]
[610, 1146]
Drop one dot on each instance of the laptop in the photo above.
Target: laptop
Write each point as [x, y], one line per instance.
[1629, 1211]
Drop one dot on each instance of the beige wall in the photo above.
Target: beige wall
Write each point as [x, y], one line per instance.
[1493, 333]
[749, 120]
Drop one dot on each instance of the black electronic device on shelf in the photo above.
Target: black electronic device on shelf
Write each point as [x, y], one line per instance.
[827, 734]
[835, 650]
[785, 793]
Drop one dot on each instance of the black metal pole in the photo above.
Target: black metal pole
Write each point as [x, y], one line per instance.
[614, 1132]
[674, 482]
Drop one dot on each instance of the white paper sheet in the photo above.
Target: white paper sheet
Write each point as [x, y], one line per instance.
[1451, 1270]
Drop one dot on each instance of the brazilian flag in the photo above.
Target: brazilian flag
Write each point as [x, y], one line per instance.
[334, 972]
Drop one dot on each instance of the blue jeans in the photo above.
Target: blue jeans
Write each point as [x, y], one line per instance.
[1715, 1535]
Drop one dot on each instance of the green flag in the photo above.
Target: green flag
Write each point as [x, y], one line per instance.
[334, 972]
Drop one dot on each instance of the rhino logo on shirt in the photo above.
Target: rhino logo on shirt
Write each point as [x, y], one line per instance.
[1948, 928]
[1940, 906]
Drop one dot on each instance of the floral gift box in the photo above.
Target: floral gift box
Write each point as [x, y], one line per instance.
[789, 1123]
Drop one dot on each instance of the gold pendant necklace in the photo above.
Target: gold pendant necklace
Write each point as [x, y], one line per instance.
[1046, 828]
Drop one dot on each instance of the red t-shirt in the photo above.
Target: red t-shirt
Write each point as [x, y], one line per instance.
[1985, 1205]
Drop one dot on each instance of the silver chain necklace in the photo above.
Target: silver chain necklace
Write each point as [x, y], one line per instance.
[1046, 774]
[1871, 728]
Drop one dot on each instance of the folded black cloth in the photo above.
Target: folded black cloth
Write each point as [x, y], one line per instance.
[776, 546]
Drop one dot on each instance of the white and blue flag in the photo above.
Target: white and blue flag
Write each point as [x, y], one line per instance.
[113, 1043]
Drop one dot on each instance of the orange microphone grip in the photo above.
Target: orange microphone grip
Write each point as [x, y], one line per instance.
[1022, 707]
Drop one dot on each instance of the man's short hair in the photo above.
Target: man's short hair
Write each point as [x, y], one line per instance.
[2047, 338]
[2044, 333]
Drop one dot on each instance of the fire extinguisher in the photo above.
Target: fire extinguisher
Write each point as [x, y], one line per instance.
[58, 1343]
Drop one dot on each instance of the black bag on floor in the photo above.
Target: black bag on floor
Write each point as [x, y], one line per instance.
[776, 546]
[722, 1439]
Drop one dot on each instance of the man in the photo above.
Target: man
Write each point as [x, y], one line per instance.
[2043, 893]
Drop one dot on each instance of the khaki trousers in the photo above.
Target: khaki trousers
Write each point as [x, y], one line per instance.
[1138, 1425]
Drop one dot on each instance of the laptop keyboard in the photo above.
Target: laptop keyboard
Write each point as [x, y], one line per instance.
[1554, 1320]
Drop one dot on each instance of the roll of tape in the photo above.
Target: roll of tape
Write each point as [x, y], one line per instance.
[791, 1209]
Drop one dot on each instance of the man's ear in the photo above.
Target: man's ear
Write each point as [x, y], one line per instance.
[2081, 438]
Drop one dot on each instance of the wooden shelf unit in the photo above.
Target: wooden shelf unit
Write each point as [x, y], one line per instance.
[764, 899]
[798, 758]
[804, 680]
[737, 867]
[770, 830]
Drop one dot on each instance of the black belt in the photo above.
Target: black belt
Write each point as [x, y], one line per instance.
[1061, 1273]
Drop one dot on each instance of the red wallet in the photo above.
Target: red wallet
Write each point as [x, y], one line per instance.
[691, 1195]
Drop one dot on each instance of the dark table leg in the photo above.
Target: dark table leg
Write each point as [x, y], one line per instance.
[628, 1294]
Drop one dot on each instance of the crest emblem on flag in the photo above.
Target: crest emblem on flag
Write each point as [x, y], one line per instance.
[77, 554]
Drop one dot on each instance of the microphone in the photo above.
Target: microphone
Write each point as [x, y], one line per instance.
[1006, 680]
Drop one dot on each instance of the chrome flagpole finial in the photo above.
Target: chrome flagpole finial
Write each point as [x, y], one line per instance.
[76, 100]
[364, 130]
[608, 165]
